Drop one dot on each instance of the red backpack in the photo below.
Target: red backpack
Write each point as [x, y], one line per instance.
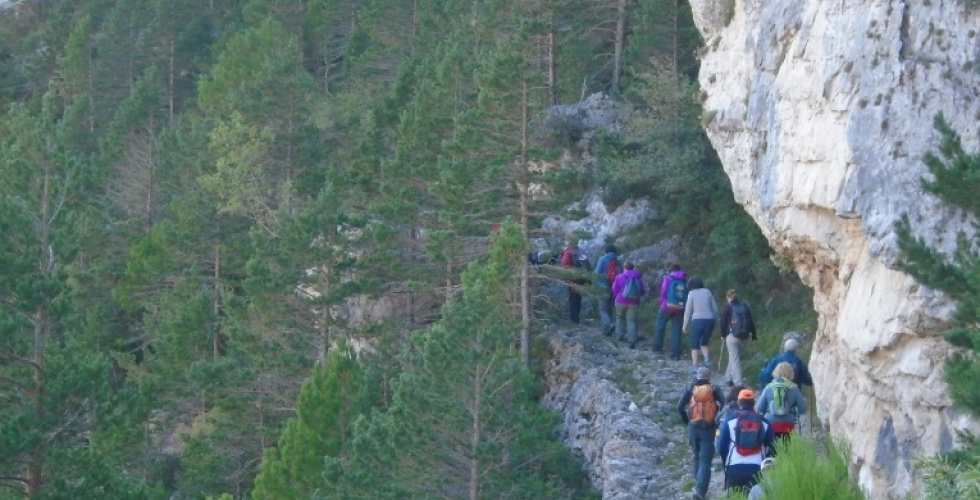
[613, 269]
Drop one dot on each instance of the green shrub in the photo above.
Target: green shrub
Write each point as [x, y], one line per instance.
[805, 470]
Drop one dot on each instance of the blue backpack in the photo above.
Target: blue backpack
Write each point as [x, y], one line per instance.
[750, 433]
[676, 294]
[633, 289]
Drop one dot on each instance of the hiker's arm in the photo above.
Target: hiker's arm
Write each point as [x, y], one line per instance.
[748, 316]
[800, 401]
[763, 403]
[805, 378]
[724, 440]
[682, 405]
[726, 318]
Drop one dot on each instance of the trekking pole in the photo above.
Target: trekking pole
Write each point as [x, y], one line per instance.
[722, 353]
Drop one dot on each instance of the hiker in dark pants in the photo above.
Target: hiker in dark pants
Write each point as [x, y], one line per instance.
[698, 408]
[743, 442]
[670, 313]
[571, 258]
[606, 299]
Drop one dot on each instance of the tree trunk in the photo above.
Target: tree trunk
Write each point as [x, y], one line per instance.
[46, 260]
[324, 328]
[620, 45]
[216, 305]
[476, 434]
[525, 286]
[552, 68]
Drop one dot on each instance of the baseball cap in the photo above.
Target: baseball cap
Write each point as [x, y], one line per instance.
[768, 463]
[791, 344]
[745, 394]
[703, 373]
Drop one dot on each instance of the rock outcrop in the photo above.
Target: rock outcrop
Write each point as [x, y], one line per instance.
[618, 408]
[821, 112]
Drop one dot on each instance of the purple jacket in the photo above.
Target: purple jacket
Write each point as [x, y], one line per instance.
[620, 284]
[681, 275]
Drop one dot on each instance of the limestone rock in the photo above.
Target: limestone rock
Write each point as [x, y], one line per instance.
[821, 113]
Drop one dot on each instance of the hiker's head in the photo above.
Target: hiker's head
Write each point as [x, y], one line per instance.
[767, 463]
[731, 294]
[703, 374]
[733, 393]
[694, 283]
[783, 370]
[675, 267]
[610, 248]
[628, 265]
[791, 344]
[746, 398]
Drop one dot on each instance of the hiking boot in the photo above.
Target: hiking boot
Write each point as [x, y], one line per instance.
[707, 362]
[730, 383]
[632, 345]
[608, 331]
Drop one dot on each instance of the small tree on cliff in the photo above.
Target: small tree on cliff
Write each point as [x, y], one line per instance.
[956, 181]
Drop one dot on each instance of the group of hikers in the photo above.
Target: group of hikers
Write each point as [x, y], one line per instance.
[742, 426]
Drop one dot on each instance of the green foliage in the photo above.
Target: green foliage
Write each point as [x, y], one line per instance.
[956, 174]
[803, 470]
[463, 420]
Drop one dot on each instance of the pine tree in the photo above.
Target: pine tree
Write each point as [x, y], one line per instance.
[463, 422]
[336, 395]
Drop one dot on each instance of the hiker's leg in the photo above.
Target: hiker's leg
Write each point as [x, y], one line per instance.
[574, 305]
[606, 312]
[695, 340]
[659, 329]
[707, 452]
[734, 359]
[620, 321]
[631, 324]
[675, 335]
[700, 341]
[692, 439]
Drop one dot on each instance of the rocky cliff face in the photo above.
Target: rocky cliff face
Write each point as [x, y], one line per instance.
[821, 112]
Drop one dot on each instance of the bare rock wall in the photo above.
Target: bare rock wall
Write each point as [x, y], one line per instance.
[821, 112]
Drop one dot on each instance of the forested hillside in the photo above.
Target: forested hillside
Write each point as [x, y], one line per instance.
[200, 198]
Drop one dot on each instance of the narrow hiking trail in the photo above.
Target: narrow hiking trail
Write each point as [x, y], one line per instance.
[619, 410]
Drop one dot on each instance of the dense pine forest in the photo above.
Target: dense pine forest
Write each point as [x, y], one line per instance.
[250, 250]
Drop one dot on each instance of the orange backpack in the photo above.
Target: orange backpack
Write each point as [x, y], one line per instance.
[702, 407]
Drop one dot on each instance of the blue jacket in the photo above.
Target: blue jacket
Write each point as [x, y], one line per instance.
[600, 268]
[801, 375]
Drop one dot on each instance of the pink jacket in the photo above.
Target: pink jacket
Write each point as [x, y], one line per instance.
[620, 284]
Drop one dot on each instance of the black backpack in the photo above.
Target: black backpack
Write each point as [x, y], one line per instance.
[738, 325]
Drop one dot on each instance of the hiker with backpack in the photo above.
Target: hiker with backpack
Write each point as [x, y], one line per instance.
[737, 327]
[700, 312]
[607, 269]
[673, 296]
[730, 407]
[743, 442]
[573, 257]
[628, 289]
[782, 402]
[801, 375]
[698, 408]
